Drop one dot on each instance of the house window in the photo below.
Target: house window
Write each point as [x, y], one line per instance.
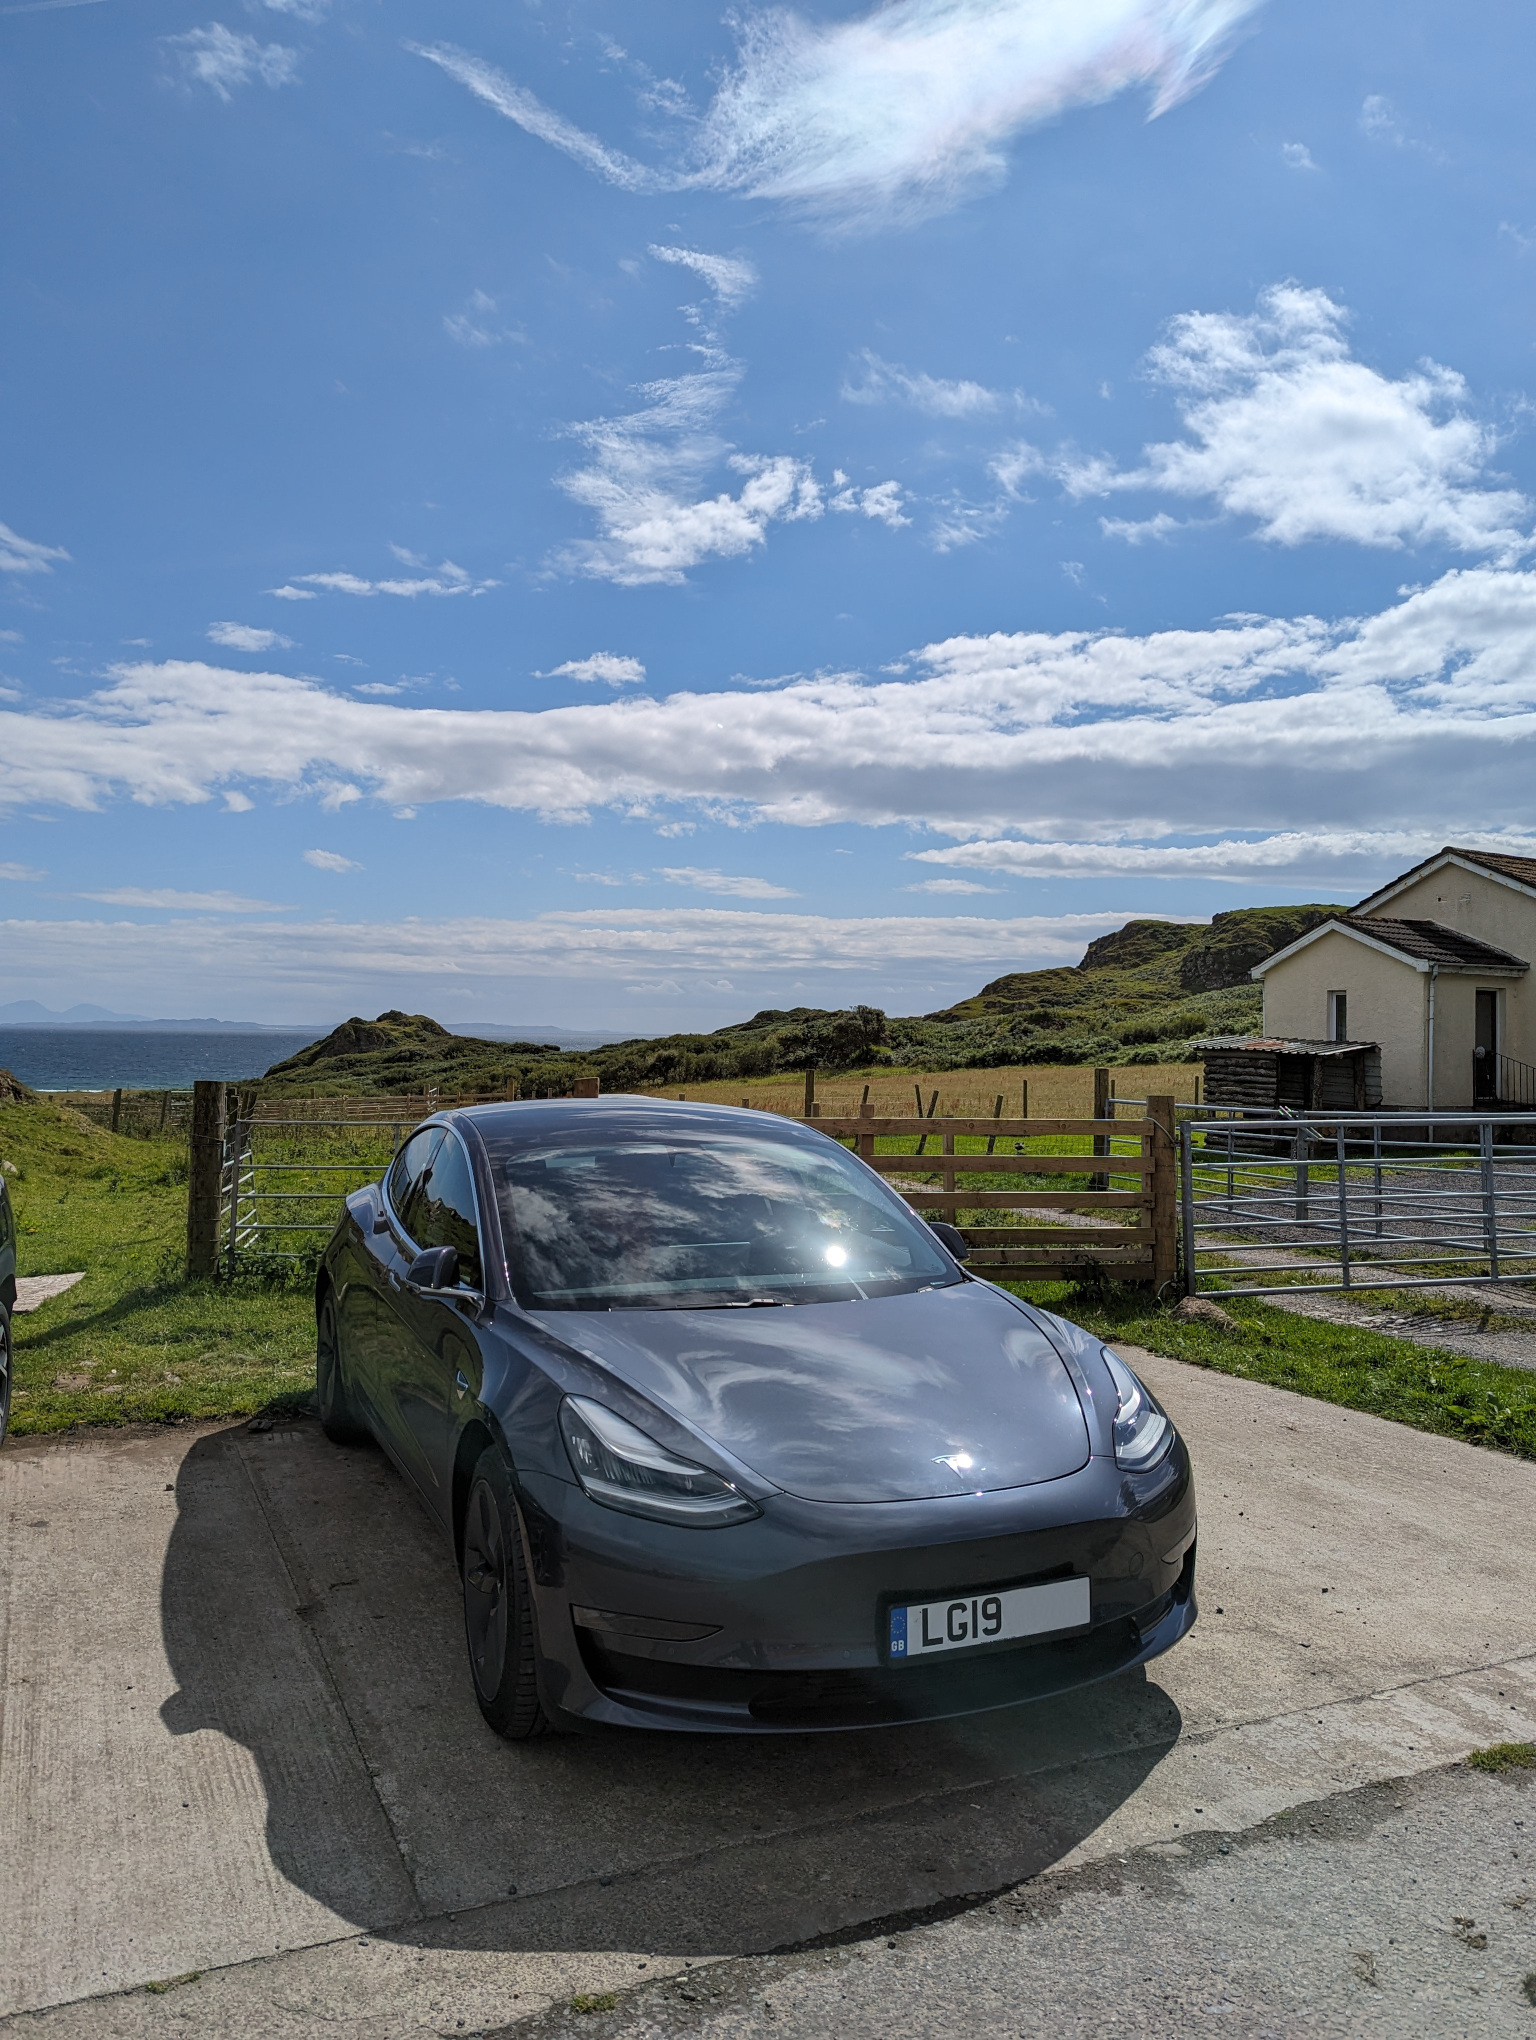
[1338, 1016]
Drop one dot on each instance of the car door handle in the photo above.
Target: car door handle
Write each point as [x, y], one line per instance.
[461, 1382]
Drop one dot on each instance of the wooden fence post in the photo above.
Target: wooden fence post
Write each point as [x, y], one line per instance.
[1100, 1111]
[810, 1092]
[205, 1169]
[866, 1140]
[1164, 1186]
[117, 1108]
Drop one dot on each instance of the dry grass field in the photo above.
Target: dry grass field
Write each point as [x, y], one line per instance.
[1055, 1092]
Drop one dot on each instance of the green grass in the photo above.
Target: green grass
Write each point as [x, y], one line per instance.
[1473, 1400]
[1504, 1756]
[134, 1342]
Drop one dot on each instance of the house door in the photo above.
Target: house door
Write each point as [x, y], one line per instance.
[1485, 1086]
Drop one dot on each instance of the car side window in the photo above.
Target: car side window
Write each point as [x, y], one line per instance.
[411, 1164]
[444, 1210]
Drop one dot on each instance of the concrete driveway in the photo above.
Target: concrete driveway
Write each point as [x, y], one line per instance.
[237, 1736]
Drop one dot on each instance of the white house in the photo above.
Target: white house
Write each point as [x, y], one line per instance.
[1436, 969]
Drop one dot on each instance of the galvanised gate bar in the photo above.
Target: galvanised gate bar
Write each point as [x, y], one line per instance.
[1356, 1201]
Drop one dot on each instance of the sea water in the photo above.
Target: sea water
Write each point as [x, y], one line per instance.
[138, 1058]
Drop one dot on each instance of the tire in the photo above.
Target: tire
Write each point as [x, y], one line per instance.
[5, 1372]
[338, 1419]
[498, 1606]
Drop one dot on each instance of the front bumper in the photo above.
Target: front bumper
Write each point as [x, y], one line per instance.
[788, 1612]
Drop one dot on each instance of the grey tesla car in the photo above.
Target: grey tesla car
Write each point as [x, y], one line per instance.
[727, 1439]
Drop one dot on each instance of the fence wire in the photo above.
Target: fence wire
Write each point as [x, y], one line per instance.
[1356, 1201]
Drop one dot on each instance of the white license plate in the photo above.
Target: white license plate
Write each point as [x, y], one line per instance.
[924, 1628]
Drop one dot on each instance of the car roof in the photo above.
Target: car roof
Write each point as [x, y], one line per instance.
[621, 1113]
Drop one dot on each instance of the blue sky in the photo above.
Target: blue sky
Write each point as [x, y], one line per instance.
[612, 516]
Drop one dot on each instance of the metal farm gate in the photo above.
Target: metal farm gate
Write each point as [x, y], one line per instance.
[1356, 1201]
[283, 1181]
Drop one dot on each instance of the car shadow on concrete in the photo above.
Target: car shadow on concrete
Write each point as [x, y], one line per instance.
[310, 1613]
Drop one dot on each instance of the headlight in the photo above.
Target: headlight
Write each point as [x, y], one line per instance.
[1142, 1432]
[621, 1467]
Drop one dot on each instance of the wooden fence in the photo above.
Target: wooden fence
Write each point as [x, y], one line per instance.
[1036, 1199]
[1127, 1171]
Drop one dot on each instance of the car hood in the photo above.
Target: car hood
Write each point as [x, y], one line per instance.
[951, 1391]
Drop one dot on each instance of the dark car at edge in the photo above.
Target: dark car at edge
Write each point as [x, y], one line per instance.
[727, 1439]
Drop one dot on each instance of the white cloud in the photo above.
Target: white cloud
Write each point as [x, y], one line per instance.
[223, 60]
[319, 965]
[1296, 156]
[448, 580]
[903, 110]
[1341, 857]
[951, 885]
[20, 555]
[1250, 728]
[477, 324]
[643, 480]
[611, 667]
[887, 381]
[882, 501]
[301, 10]
[20, 874]
[1284, 427]
[247, 637]
[731, 277]
[724, 885]
[330, 860]
[184, 902]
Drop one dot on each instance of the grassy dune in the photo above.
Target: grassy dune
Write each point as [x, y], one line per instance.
[134, 1342]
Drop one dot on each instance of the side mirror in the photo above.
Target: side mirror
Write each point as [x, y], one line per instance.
[434, 1268]
[950, 1236]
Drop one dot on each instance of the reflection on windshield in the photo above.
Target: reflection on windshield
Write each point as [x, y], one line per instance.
[654, 1224]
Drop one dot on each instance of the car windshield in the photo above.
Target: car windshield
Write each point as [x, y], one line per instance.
[704, 1221]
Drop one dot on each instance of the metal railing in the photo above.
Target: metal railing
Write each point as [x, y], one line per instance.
[283, 1181]
[1356, 1201]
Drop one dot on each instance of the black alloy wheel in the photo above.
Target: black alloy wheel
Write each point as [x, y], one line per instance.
[338, 1419]
[498, 1607]
[5, 1372]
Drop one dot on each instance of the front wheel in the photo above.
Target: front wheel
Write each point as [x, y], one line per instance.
[498, 1607]
[5, 1372]
[338, 1419]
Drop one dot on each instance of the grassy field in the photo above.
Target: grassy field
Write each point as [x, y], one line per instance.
[134, 1342]
[1055, 1092]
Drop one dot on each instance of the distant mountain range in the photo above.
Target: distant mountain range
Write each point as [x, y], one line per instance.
[30, 1013]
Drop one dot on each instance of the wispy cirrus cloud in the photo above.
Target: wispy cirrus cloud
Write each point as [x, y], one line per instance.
[247, 637]
[1285, 427]
[609, 667]
[447, 580]
[20, 555]
[645, 477]
[731, 277]
[330, 860]
[884, 382]
[168, 898]
[725, 884]
[901, 111]
[479, 323]
[224, 60]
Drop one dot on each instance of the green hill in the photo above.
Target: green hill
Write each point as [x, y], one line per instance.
[1140, 995]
